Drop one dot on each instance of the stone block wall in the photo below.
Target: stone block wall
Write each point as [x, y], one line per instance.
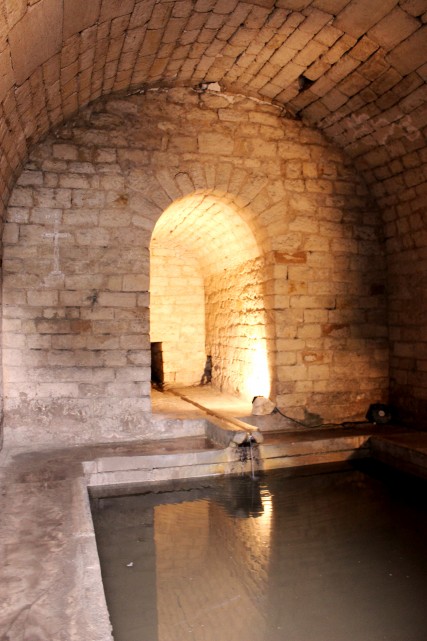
[76, 326]
[354, 70]
[76, 260]
[237, 326]
[399, 182]
[177, 313]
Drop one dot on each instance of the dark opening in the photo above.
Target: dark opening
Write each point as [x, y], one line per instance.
[157, 375]
[304, 83]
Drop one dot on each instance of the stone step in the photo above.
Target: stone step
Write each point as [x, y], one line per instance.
[408, 452]
[279, 451]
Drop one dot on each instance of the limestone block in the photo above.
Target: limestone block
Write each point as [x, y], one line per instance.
[55, 390]
[12, 325]
[310, 53]
[36, 37]
[410, 54]
[10, 233]
[113, 8]
[79, 217]
[6, 72]
[342, 45]
[52, 198]
[15, 10]
[290, 150]
[90, 198]
[293, 345]
[212, 143]
[319, 186]
[309, 331]
[75, 299]
[328, 35]
[39, 342]
[100, 341]
[141, 374]
[393, 28]
[34, 178]
[22, 197]
[113, 218]
[74, 181]
[144, 208]
[359, 15]
[135, 282]
[318, 372]
[14, 341]
[65, 346]
[14, 357]
[81, 167]
[117, 299]
[313, 302]
[292, 372]
[78, 15]
[18, 214]
[97, 237]
[42, 297]
[131, 389]
[286, 358]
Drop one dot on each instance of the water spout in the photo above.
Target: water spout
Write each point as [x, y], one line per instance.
[247, 452]
[253, 477]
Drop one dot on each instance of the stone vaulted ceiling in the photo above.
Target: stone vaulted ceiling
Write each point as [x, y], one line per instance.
[200, 223]
[354, 68]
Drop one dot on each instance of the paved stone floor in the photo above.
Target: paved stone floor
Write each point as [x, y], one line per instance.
[50, 583]
[168, 402]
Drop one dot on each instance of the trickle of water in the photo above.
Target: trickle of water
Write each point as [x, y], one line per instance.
[247, 452]
[252, 461]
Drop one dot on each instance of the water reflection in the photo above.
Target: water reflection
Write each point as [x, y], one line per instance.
[316, 558]
[212, 560]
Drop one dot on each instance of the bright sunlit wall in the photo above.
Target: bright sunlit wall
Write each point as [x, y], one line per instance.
[201, 247]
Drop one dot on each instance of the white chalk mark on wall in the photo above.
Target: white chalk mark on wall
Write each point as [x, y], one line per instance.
[380, 129]
[56, 235]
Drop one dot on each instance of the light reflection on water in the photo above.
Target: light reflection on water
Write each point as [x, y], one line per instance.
[336, 556]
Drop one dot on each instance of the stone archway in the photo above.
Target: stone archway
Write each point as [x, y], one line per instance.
[207, 295]
[76, 262]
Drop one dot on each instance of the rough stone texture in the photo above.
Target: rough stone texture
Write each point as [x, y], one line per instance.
[239, 320]
[35, 38]
[76, 262]
[51, 586]
[368, 65]
[177, 313]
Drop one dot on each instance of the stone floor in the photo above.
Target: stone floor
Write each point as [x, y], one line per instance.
[170, 402]
[50, 582]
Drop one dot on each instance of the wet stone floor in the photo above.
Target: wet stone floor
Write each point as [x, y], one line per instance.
[335, 553]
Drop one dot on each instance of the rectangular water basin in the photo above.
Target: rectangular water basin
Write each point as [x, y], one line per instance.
[324, 553]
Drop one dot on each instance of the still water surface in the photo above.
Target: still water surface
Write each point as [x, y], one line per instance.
[329, 554]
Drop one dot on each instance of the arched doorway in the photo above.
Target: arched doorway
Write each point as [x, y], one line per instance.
[207, 288]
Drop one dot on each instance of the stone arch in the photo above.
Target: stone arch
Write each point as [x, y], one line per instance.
[207, 295]
[76, 338]
[359, 77]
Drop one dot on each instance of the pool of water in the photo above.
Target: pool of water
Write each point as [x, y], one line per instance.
[324, 554]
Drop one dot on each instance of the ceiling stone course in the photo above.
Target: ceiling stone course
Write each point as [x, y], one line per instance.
[79, 15]
[356, 69]
[35, 38]
[359, 16]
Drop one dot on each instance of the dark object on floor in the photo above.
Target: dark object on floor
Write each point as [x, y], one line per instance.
[207, 373]
[157, 375]
[379, 413]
